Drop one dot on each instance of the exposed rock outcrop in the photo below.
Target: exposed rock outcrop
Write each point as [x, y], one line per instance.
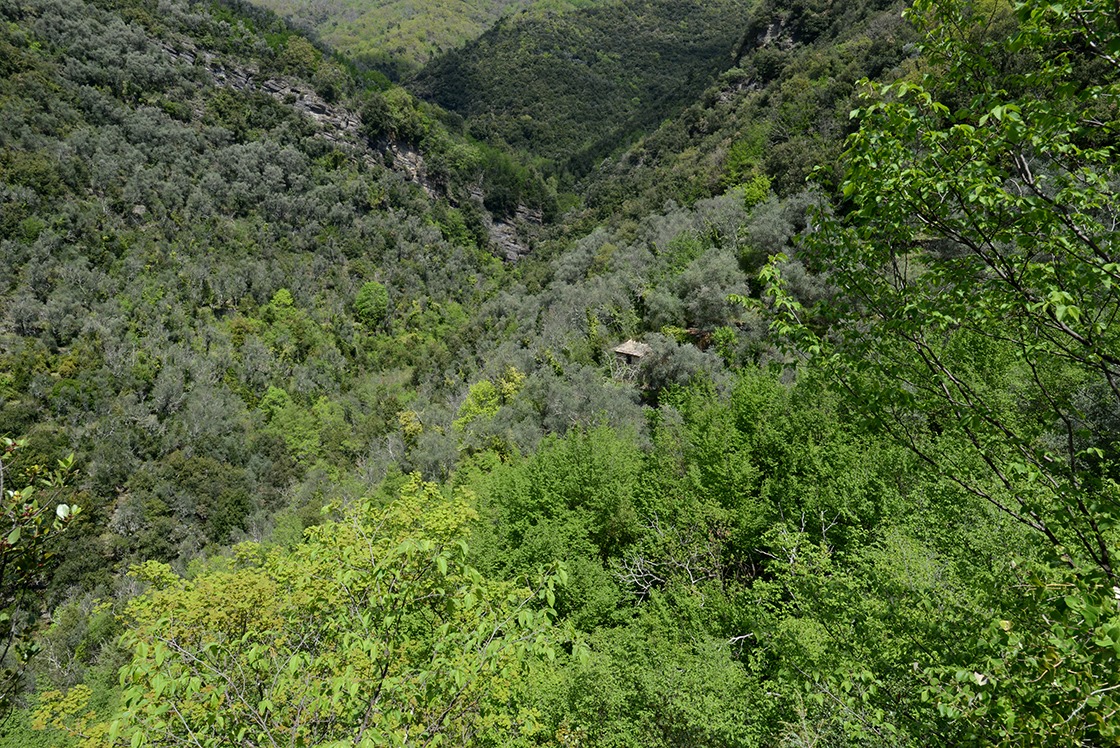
[338, 124]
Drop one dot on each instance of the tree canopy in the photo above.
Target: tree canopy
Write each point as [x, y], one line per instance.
[348, 478]
[974, 265]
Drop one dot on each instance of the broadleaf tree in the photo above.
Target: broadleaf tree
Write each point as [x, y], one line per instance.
[975, 274]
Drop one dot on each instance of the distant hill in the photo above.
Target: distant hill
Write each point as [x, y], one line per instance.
[397, 36]
[570, 87]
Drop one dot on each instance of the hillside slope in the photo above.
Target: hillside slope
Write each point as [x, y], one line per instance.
[775, 119]
[215, 274]
[570, 88]
[399, 36]
[802, 429]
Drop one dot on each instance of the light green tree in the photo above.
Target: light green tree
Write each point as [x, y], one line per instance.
[484, 399]
[374, 632]
[372, 304]
[977, 287]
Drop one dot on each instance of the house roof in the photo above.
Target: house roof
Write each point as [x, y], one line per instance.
[633, 348]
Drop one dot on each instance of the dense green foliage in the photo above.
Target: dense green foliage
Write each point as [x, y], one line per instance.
[398, 36]
[979, 254]
[347, 479]
[570, 87]
[33, 518]
[382, 600]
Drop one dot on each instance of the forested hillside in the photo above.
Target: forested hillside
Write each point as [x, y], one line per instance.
[399, 36]
[213, 285]
[777, 117]
[292, 455]
[201, 233]
[570, 87]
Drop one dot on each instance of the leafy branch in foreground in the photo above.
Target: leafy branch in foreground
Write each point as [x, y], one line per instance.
[977, 270]
[977, 283]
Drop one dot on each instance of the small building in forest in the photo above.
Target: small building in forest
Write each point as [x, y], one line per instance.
[631, 352]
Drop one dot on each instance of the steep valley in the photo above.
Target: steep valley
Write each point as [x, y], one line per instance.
[627, 373]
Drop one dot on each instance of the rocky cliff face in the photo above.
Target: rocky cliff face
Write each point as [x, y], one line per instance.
[336, 123]
[509, 237]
